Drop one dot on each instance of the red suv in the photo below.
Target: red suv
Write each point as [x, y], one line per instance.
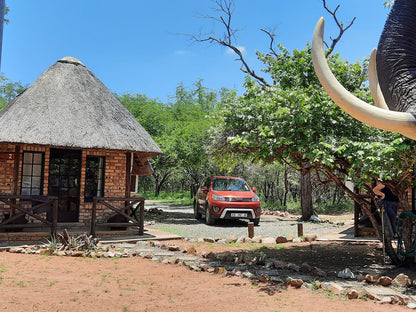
[227, 198]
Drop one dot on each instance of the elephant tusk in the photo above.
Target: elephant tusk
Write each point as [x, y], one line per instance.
[376, 92]
[401, 122]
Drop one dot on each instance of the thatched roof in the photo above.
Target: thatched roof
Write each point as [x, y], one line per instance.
[68, 106]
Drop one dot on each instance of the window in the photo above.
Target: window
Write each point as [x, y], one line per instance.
[94, 177]
[32, 173]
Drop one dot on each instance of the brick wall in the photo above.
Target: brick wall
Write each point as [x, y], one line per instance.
[114, 185]
[6, 170]
[115, 170]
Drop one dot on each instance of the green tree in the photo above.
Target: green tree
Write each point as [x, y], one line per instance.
[9, 90]
[284, 80]
[155, 117]
[180, 128]
[189, 133]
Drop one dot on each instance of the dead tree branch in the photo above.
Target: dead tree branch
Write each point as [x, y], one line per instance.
[225, 8]
[339, 24]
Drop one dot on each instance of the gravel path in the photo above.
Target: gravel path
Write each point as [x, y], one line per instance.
[180, 220]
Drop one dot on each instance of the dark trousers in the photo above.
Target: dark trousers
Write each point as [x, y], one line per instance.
[391, 210]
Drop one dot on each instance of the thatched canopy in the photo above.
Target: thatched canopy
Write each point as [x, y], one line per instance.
[68, 106]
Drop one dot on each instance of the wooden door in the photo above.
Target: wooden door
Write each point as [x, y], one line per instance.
[64, 182]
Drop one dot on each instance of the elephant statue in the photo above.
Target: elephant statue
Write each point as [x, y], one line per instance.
[392, 74]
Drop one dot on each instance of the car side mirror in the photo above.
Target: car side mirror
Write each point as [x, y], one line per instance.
[254, 189]
[204, 189]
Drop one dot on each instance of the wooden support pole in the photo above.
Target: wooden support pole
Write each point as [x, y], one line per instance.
[300, 229]
[251, 229]
[54, 217]
[141, 221]
[93, 217]
[15, 176]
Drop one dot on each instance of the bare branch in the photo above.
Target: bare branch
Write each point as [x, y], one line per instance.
[271, 35]
[339, 24]
[226, 10]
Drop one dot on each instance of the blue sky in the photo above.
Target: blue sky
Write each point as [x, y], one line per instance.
[135, 46]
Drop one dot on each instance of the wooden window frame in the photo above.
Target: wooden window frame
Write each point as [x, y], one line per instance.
[29, 173]
[97, 183]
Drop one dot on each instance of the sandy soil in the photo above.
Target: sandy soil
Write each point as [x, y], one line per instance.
[51, 283]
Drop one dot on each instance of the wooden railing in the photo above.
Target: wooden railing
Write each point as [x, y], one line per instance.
[131, 213]
[41, 208]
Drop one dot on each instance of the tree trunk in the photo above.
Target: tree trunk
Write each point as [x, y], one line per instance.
[286, 189]
[306, 196]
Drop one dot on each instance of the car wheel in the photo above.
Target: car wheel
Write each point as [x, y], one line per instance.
[256, 222]
[197, 214]
[209, 220]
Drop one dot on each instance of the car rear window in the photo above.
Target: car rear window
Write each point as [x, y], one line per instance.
[230, 185]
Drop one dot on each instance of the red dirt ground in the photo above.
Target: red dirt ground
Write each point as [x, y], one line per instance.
[52, 283]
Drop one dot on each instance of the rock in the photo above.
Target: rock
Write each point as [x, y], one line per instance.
[385, 300]
[384, 281]
[297, 240]
[17, 250]
[402, 280]
[311, 237]
[200, 240]
[248, 275]
[281, 240]
[279, 264]
[195, 268]
[210, 255]
[231, 239]
[77, 254]
[305, 268]
[63, 253]
[319, 272]
[220, 270]
[173, 248]
[269, 240]
[165, 261]
[371, 278]
[237, 273]
[46, 251]
[257, 239]
[226, 257]
[248, 240]
[314, 218]
[411, 305]
[290, 238]
[336, 289]
[352, 294]
[293, 267]
[400, 299]
[297, 282]
[209, 240]
[205, 267]
[240, 240]
[346, 273]
[191, 251]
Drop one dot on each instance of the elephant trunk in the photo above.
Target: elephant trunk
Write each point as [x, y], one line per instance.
[396, 57]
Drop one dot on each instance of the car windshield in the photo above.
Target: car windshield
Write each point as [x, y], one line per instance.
[230, 185]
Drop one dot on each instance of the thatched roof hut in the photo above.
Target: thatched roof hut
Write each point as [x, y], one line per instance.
[68, 106]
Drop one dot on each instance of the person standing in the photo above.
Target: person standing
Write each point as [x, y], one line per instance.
[389, 201]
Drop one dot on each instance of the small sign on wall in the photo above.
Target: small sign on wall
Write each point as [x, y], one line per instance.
[6, 155]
